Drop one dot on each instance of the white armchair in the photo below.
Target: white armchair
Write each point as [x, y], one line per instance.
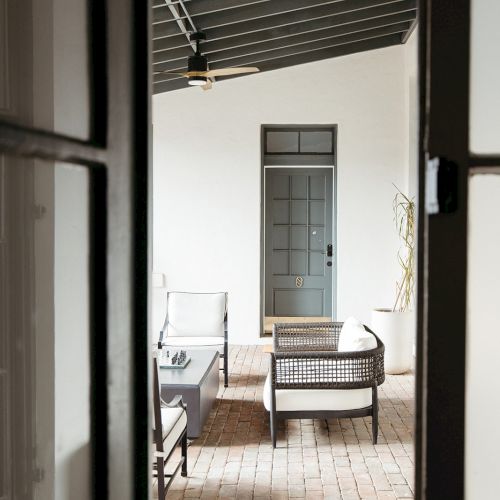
[197, 321]
[169, 430]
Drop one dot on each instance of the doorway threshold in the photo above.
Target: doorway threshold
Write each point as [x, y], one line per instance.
[270, 320]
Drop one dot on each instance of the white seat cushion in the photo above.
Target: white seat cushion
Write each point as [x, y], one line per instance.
[196, 314]
[354, 337]
[192, 343]
[174, 421]
[317, 399]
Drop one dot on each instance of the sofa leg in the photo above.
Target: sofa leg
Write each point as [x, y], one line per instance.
[226, 375]
[184, 449]
[273, 418]
[375, 414]
[273, 424]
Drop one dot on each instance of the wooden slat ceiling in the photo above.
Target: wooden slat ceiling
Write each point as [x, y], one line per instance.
[272, 34]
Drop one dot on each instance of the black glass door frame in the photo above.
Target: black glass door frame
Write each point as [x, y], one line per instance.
[444, 65]
[118, 158]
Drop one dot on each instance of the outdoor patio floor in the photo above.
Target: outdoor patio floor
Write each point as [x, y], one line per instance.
[314, 459]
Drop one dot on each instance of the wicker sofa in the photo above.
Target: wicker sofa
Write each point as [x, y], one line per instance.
[310, 378]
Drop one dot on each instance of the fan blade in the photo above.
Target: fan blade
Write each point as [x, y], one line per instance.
[189, 74]
[230, 71]
[169, 73]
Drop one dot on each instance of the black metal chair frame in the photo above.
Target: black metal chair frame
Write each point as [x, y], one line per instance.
[305, 357]
[224, 356]
[159, 454]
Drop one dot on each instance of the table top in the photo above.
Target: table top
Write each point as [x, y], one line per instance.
[195, 371]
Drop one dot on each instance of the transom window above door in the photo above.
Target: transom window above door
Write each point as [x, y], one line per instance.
[299, 145]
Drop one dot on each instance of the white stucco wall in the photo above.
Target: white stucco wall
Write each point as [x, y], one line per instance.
[206, 183]
[411, 87]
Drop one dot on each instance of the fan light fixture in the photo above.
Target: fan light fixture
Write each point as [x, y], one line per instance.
[197, 80]
[198, 74]
[197, 64]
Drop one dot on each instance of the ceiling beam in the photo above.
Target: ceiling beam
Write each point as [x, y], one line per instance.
[161, 3]
[301, 58]
[277, 18]
[405, 36]
[379, 16]
[175, 10]
[165, 16]
[310, 48]
[306, 45]
[164, 63]
[276, 26]
[247, 13]
[202, 7]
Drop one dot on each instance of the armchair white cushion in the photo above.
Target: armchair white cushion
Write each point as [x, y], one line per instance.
[174, 422]
[196, 342]
[195, 314]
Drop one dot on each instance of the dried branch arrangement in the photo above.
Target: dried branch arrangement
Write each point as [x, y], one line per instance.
[404, 217]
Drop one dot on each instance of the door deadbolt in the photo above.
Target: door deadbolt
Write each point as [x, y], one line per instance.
[329, 250]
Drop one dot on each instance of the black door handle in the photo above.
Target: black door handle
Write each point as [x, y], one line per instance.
[329, 250]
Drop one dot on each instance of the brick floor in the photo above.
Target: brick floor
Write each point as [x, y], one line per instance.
[314, 459]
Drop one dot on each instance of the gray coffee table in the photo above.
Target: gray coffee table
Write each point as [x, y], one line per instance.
[198, 384]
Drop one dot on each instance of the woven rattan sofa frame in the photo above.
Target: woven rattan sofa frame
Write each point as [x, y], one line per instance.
[309, 341]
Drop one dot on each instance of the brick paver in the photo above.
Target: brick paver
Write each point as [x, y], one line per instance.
[333, 459]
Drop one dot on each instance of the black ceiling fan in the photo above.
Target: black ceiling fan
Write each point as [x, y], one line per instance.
[198, 73]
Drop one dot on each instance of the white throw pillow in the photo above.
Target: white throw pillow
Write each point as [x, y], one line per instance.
[354, 337]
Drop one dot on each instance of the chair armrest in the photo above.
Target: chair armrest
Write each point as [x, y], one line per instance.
[160, 340]
[327, 369]
[175, 403]
[225, 328]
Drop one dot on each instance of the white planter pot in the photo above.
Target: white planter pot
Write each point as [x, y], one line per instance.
[396, 331]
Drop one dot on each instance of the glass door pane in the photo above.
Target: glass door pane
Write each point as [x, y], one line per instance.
[282, 142]
[320, 141]
[483, 338]
[44, 66]
[45, 364]
[485, 77]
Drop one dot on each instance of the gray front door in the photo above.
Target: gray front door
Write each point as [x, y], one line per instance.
[298, 232]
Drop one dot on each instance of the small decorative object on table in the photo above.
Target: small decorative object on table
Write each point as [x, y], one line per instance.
[179, 359]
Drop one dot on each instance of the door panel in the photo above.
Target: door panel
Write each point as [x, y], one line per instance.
[74, 349]
[299, 211]
[290, 302]
[458, 268]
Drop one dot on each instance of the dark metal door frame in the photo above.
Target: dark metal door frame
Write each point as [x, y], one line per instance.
[444, 50]
[263, 130]
[118, 159]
